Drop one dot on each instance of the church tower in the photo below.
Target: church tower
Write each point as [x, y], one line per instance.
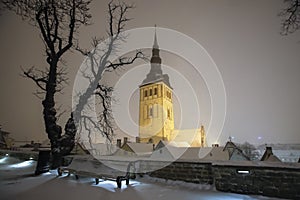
[156, 119]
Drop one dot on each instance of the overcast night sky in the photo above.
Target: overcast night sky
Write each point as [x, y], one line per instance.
[260, 68]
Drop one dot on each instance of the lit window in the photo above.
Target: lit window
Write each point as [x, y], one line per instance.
[145, 112]
[150, 112]
[155, 110]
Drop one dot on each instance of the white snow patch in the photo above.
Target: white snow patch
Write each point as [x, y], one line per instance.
[21, 184]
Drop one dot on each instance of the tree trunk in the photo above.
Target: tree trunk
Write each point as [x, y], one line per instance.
[60, 145]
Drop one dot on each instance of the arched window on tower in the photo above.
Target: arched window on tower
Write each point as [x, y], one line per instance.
[169, 113]
[145, 112]
[146, 93]
[155, 110]
[150, 111]
[155, 91]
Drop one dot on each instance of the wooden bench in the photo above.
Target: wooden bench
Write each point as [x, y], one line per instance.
[88, 167]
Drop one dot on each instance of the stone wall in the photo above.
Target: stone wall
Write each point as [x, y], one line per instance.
[259, 178]
[266, 181]
[189, 172]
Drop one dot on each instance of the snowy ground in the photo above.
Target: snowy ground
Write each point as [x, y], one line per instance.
[18, 182]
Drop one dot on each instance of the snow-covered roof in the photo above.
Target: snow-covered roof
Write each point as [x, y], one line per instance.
[204, 151]
[272, 158]
[175, 151]
[217, 153]
[140, 148]
[190, 136]
[269, 156]
[99, 148]
[194, 153]
[191, 153]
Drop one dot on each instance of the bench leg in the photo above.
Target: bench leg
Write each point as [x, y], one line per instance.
[119, 182]
[59, 171]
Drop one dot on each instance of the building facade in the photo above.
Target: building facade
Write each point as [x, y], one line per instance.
[156, 118]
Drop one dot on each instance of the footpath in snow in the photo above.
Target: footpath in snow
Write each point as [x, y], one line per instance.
[17, 181]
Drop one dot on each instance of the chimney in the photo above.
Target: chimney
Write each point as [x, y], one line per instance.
[119, 143]
[137, 140]
[125, 140]
[269, 149]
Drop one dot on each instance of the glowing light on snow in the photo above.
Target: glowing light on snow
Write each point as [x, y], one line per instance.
[46, 174]
[23, 164]
[2, 160]
[112, 185]
[223, 197]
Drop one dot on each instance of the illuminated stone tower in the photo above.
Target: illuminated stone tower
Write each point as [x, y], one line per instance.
[156, 119]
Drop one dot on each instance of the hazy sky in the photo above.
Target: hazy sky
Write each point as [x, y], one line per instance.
[260, 68]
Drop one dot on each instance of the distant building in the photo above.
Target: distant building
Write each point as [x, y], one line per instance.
[156, 117]
[285, 152]
[291, 155]
[269, 156]
[167, 151]
[192, 137]
[135, 149]
[235, 153]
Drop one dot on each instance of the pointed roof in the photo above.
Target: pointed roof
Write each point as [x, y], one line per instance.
[269, 156]
[232, 148]
[156, 74]
[155, 45]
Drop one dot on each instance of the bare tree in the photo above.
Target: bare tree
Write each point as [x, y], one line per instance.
[100, 62]
[290, 16]
[249, 150]
[58, 22]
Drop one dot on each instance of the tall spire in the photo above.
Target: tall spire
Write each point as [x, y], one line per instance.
[155, 45]
[156, 74]
[155, 50]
